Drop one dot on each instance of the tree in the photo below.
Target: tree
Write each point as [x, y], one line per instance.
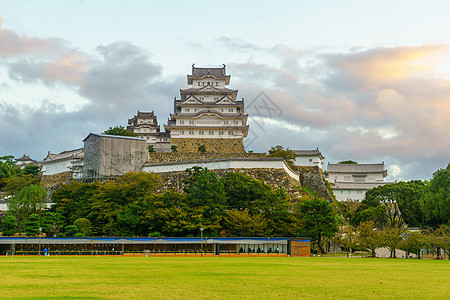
[30, 200]
[119, 130]
[202, 149]
[279, 151]
[32, 225]
[381, 204]
[347, 162]
[52, 223]
[369, 237]
[71, 231]
[205, 189]
[151, 148]
[9, 225]
[241, 223]
[319, 220]
[84, 226]
[174, 148]
[14, 184]
[391, 238]
[412, 243]
[437, 199]
[29, 169]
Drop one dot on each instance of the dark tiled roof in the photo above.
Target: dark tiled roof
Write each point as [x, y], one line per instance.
[25, 158]
[113, 136]
[217, 72]
[356, 168]
[315, 152]
[216, 90]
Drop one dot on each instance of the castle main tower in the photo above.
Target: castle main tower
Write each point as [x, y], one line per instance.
[208, 114]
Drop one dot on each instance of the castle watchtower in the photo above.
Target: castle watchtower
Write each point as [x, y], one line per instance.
[208, 114]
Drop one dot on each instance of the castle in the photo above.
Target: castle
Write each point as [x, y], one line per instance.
[207, 114]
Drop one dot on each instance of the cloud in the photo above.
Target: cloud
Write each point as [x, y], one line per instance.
[368, 105]
[385, 103]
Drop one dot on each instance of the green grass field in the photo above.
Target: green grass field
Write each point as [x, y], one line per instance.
[223, 277]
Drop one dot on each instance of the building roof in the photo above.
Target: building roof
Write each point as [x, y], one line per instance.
[315, 152]
[76, 153]
[356, 168]
[201, 72]
[113, 136]
[216, 90]
[25, 158]
[339, 185]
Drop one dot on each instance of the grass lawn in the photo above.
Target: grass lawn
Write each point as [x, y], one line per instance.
[223, 277]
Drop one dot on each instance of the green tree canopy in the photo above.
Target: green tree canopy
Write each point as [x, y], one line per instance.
[7, 164]
[32, 225]
[118, 130]
[348, 162]
[30, 200]
[279, 151]
[29, 169]
[319, 220]
[437, 199]
[9, 225]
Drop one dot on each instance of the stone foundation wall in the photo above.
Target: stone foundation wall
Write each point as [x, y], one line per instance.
[313, 178]
[158, 157]
[274, 177]
[212, 145]
[53, 182]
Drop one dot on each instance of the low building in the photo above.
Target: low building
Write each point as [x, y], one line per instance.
[148, 246]
[66, 161]
[352, 181]
[308, 158]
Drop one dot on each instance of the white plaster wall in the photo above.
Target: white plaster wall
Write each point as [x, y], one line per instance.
[215, 165]
[301, 161]
[344, 195]
[56, 167]
[348, 177]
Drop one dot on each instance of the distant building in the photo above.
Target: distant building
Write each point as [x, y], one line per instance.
[66, 161]
[25, 160]
[352, 181]
[145, 126]
[110, 156]
[209, 114]
[308, 158]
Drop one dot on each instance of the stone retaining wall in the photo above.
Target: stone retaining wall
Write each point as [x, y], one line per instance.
[159, 157]
[212, 145]
[53, 182]
[313, 178]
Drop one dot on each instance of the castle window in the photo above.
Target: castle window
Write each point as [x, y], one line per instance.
[220, 132]
[217, 83]
[191, 132]
[230, 110]
[181, 122]
[201, 132]
[310, 160]
[187, 109]
[191, 122]
[225, 122]
[230, 132]
[211, 133]
[199, 83]
[182, 132]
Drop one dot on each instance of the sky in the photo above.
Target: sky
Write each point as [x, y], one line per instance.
[362, 80]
